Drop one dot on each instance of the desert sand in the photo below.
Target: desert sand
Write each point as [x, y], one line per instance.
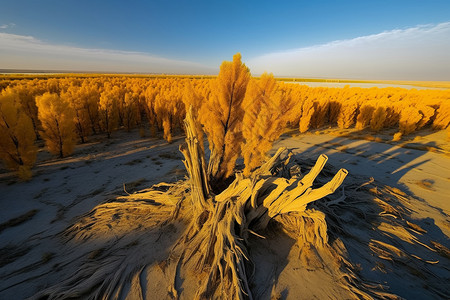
[390, 219]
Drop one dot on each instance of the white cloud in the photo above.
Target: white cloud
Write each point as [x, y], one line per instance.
[27, 52]
[417, 53]
[6, 26]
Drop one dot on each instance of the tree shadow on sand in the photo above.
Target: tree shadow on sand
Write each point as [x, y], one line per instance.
[386, 245]
[385, 162]
[106, 252]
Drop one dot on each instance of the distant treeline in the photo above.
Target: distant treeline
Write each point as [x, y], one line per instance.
[67, 109]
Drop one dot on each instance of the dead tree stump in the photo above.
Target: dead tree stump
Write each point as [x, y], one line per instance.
[215, 243]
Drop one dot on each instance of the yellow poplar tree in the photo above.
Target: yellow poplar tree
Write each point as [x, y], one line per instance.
[26, 93]
[163, 109]
[149, 105]
[130, 110]
[427, 113]
[364, 117]
[81, 117]
[320, 116]
[378, 119]
[17, 148]
[266, 115]
[347, 114]
[57, 119]
[443, 116]
[90, 97]
[109, 117]
[307, 113]
[222, 114]
[409, 119]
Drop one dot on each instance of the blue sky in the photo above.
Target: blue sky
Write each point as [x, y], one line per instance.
[345, 39]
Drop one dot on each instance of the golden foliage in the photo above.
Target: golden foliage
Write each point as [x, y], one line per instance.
[443, 116]
[56, 117]
[409, 118]
[364, 117]
[222, 115]
[413, 118]
[320, 115]
[378, 119]
[347, 114]
[131, 110]
[105, 103]
[26, 93]
[307, 113]
[427, 113]
[108, 108]
[81, 118]
[266, 115]
[397, 136]
[17, 137]
[148, 106]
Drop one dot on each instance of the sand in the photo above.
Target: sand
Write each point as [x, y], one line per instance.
[35, 255]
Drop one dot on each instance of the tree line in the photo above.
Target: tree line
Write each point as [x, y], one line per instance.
[241, 115]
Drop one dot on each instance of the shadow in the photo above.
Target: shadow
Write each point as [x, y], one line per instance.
[385, 240]
[271, 257]
[384, 162]
[100, 254]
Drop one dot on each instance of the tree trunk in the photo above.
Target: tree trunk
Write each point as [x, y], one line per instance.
[195, 164]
